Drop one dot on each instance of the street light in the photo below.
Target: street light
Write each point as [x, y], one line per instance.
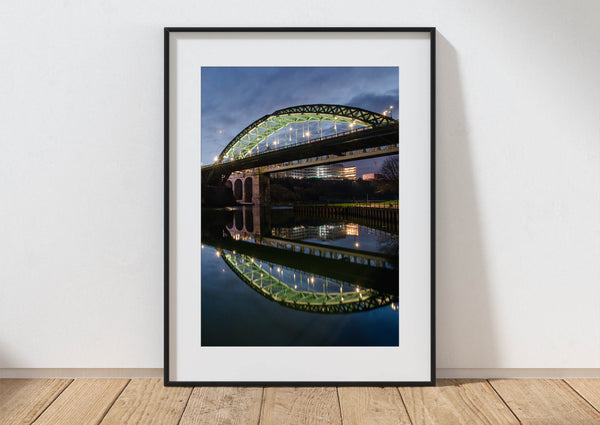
[391, 107]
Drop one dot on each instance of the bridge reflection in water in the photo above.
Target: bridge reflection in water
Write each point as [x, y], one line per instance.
[317, 267]
[303, 291]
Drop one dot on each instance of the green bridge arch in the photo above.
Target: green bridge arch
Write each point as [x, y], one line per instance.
[272, 288]
[254, 134]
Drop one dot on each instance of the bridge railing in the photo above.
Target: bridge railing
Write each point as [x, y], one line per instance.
[286, 146]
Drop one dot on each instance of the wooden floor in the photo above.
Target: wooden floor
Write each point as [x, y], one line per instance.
[146, 401]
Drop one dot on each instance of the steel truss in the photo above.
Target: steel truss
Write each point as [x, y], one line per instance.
[276, 290]
[259, 131]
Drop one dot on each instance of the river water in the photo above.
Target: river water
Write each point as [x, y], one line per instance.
[272, 278]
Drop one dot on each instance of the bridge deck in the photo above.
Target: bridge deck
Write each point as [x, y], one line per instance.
[328, 251]
[342, 147]
[365, 276]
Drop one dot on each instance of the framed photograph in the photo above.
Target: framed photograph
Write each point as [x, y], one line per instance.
[299, 206]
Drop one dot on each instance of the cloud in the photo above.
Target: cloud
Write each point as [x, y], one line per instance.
[374, 102]
[234, 97]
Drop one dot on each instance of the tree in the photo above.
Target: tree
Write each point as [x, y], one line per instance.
[389, 172]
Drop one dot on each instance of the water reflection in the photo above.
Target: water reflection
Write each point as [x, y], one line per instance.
[324, 232]
[298, 267]
[303, 291]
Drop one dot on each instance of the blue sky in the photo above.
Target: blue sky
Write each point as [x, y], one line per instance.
[233, 97]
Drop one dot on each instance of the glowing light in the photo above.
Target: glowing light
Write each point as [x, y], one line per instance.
[218, 254]
[342, 298]
[216, 158]
[202, 246]
[295, 286]
[356, 244]
[357, 289]
[234, 251]
[352, 229]
[223, 269]
[385, 113]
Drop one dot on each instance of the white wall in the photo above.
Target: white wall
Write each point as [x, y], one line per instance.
[81, 175]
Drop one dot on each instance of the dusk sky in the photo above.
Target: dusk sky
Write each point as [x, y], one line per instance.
[234, 97]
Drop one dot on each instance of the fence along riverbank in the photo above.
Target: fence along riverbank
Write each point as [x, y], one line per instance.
[373, 213]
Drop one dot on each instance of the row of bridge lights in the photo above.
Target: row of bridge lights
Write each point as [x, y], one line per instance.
[308, 133]
[309, 281]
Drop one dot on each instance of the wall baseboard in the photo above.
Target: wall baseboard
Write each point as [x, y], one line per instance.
[81, 373]
[158, 373]
[518, 373]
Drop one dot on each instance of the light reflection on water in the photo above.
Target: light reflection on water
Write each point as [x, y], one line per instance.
[238, 312]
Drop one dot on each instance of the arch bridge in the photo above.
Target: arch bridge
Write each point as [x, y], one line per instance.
[303, 293]
[368, 270]
[304, 136]
[295, 122]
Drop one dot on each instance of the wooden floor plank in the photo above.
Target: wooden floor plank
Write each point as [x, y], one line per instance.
[148, 402]
[545, 402]
[304, 405]
[22, 400]
[588, 388]
[372, 405]
[223, 406]
[84, 402]
[454, 402]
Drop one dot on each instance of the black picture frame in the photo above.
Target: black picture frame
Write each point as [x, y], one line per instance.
[432, 51]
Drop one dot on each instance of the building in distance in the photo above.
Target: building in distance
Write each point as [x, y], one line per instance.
[326, 232]
[372, 176]
[329, 171]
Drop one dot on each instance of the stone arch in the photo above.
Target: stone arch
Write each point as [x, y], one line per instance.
[238, 190]
[248, 189]
[238, 220]
[249, 220]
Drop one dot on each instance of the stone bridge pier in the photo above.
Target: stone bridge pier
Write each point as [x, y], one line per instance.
[250, 188]
[249, 222]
